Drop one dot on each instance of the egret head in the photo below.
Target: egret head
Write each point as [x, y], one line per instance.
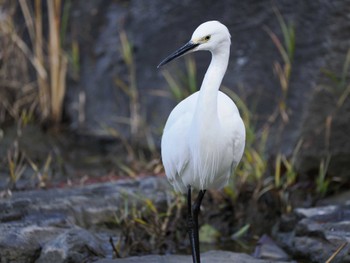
[211, 36]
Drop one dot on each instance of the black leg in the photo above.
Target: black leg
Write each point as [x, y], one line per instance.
[192, 223]
[195, 211]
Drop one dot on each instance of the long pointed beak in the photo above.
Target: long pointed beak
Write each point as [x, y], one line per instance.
[178, 53]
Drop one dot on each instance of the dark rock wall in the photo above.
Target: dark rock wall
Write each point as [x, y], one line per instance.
[325, 126]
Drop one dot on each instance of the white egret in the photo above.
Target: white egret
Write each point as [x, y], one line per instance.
[204, 136]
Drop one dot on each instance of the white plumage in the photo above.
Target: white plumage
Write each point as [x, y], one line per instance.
[204, 136]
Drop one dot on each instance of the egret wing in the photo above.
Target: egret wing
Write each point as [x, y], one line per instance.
[233, 127]
[174, 146]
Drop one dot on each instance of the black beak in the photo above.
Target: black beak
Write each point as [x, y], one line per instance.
[178, 53]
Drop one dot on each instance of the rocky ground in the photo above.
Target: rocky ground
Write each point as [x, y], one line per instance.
[64, 225]
[317, 233]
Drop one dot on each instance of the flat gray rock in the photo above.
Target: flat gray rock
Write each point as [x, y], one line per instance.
[74, 245]
[208, 257]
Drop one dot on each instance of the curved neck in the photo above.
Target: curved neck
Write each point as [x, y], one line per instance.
[207, 100]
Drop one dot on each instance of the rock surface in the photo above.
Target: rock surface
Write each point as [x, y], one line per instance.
[74, 245]
[326, 132]
[325, 125]
[316, 233]
[208, 257]
[53, 225]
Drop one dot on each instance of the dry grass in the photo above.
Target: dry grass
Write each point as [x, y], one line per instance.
[17, 92]
[23, 94]
[57, 61]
